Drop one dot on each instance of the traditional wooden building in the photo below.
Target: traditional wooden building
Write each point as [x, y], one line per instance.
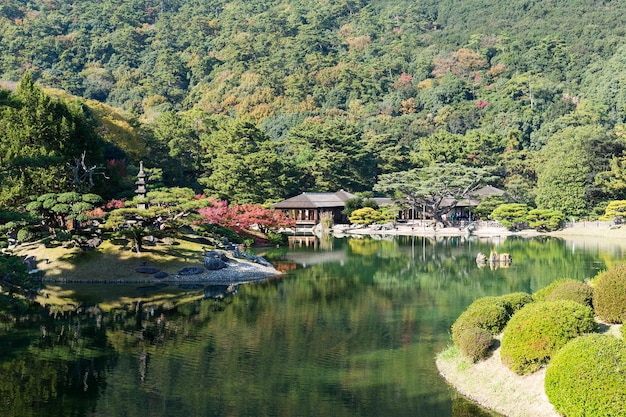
[309, 208]
[463, 208]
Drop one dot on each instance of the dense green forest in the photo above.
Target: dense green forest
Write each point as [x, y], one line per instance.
[256, 101]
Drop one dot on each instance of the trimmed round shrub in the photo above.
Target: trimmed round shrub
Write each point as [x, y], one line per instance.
[609, 294]
[539, 329]
[25, 235]
[566, 289]
[475, 343]
[588, 377]
[516, 300]
[489, 313]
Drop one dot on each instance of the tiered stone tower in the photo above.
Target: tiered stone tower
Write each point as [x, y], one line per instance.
[141, 190]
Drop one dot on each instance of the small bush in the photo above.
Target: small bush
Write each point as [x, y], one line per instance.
[366, 215]
[512, 216]
[545, 220]
[588, 377]
[489, 313]
[609, 294]
[25, 235]
[566, 289]
[63, 236]
[475, 343]
[539, 329]
[276, 238]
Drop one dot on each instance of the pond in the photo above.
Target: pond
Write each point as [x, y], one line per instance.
[351, 329]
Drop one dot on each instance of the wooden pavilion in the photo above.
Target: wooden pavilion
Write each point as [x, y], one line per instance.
[309, 208]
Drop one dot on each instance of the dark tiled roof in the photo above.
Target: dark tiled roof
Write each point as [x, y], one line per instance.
[477, 196]
[316, 200]
[487, 191]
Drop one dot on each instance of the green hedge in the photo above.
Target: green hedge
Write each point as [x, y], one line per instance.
[475, 343]
[25, 235]
[539, 329]
[609, 294]
[516, 300]
[588, 377]
[488, 313]
[566, 289]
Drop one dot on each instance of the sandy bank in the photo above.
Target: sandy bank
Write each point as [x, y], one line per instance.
[497, 388]
[583, 230]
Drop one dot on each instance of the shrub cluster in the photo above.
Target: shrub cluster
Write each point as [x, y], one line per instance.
[566, 289]
[609, 294]
[545, 220]
[515, 216]
[539, 329]
[486, 316]
[588, 373]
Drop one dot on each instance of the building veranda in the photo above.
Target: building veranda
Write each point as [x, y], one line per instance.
[308, 208]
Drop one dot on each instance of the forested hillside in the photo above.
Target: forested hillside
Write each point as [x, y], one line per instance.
[259, 100]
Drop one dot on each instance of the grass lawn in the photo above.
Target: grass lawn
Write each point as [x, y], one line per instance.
[111, 261]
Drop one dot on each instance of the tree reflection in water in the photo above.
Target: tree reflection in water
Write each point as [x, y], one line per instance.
[351, 330]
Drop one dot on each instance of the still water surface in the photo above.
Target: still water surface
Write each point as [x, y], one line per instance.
[351, 329]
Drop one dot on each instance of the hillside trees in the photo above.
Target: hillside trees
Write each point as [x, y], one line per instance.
[40, 135]
[329, 155]
[242, 164]
[176, 148]
[568, 165]
[344, 90]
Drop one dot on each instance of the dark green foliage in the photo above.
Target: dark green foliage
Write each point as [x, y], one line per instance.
[475, 343]
[488, 205]
[539, 329]
[14, 277]
[488, 313]
[356, 203]
[588, 377]
[58, 209]
[219, 232]
[566, 289]
[25, 235]
[41, 135]
[609, 294]
[243, 165]
[567, 166]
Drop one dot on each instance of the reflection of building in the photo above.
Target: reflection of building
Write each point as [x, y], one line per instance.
[308, 208]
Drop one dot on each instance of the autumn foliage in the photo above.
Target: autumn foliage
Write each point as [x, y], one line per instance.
[242, 217]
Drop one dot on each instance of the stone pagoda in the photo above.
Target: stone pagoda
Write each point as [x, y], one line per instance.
[141, 190]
